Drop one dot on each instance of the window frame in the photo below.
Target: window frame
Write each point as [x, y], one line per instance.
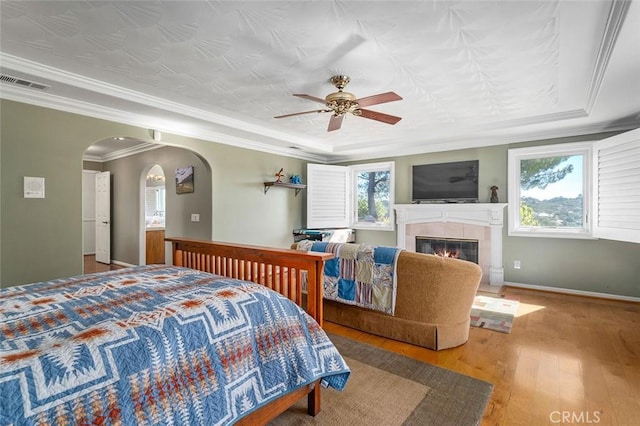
[516, 155]
[354, 171]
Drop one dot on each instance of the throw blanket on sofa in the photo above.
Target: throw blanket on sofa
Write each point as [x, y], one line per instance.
[359, 274]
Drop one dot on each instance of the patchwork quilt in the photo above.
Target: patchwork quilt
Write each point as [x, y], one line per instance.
[359, 274]
[154, 345]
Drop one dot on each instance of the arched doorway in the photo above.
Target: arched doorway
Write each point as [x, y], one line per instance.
[129, 176]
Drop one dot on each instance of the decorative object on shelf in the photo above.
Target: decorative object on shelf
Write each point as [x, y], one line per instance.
[184, 180]
[295, 179]
[279, 176]
[494, 194]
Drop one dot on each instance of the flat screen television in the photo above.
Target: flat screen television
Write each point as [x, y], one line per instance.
[455, 182]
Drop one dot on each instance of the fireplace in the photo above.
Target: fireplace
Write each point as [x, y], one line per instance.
[449, 247]
[467, 221]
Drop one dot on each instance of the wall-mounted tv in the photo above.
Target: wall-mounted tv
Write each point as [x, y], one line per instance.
[455, 182]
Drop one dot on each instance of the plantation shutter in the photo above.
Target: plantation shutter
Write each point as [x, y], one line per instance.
[617, 187]
[327, 196]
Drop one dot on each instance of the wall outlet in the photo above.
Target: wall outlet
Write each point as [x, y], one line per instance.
[516, 264]
[195, 217]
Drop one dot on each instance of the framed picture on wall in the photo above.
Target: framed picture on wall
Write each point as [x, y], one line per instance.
[184, 180]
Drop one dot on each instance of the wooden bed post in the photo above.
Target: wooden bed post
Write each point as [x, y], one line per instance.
[177, 256]
[315, 291]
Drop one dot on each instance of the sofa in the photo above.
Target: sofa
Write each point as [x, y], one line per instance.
[433, 303]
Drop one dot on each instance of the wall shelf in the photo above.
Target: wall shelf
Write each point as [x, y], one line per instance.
[297, 186]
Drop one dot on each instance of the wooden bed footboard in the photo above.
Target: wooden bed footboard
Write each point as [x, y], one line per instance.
[279, 269]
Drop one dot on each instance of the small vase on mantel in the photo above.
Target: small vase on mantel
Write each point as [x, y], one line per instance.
[494, 194]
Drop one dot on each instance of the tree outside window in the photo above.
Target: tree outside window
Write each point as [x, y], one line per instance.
[373, 195]
[551, 192]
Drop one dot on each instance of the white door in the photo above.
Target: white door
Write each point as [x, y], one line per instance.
[103, 217]
[89, 212]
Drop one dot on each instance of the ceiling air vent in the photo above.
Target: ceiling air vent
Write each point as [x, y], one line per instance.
[22, 82]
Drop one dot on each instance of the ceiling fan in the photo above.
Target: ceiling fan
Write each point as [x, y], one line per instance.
[340, 103]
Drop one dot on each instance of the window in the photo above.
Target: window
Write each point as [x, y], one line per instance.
[359, 196]
[372, 187]
[550, 191]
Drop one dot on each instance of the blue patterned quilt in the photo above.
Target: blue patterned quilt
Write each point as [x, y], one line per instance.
[359, 274]
[154, 345]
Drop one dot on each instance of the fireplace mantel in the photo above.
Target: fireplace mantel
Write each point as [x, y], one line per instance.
[482, 214]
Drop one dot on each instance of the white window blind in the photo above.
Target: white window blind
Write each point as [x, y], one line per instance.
[617, 187]
[327, 196]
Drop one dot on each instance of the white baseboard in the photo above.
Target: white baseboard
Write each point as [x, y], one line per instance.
[126, 265]
[574, 292]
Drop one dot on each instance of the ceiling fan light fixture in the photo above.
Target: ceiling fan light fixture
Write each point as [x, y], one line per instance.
[340, 103]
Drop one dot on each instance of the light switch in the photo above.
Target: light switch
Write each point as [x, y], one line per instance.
[195, 217]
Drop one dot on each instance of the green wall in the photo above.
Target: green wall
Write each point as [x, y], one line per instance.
[599, 266]
[42, 238]
[242, 212]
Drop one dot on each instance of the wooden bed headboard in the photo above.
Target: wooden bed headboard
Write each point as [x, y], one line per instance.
[279, 269]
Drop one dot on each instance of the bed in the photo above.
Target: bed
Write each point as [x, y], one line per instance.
[217, 338]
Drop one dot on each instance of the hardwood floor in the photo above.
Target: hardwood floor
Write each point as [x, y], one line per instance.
[568, 360]
[91, 266]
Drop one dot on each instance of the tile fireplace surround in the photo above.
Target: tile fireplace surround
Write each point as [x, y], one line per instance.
[477, 221]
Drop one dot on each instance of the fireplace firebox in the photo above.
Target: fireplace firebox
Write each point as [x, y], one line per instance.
[449, 247]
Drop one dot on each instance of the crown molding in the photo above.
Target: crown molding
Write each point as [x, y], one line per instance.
[93, 158]
[33, 97]
[48, 100]
[538, 119]
[617, 13]
[11, 62]
[453, 143]
[143, 147]
[497, 126]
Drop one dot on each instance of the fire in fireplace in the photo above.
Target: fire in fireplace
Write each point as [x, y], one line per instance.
[449, 247]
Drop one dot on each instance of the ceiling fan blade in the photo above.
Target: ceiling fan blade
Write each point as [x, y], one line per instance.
[300, 113]
[310, 98]
[380, 98]
[379, 116]
[335, 122]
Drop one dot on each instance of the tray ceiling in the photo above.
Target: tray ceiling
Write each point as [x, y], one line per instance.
[470, 73]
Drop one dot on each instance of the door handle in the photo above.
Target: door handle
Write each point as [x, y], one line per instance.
[106, 223]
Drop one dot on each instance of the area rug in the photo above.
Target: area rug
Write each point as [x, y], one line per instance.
[494, 313]
[389, 389]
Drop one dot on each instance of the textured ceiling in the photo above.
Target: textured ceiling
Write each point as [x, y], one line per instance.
[471, 73]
